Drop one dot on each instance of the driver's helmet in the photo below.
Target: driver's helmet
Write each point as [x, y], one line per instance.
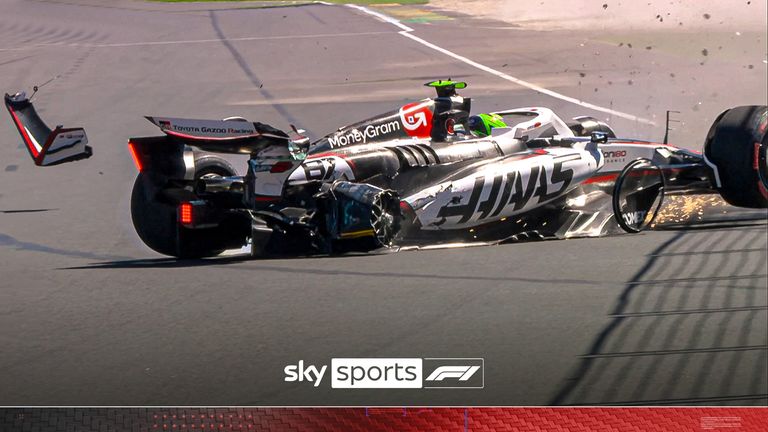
[482, 124]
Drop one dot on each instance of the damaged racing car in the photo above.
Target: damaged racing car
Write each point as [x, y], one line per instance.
[428, 172]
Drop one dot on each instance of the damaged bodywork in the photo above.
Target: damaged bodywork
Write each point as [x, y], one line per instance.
[46, 146]
[417, 175]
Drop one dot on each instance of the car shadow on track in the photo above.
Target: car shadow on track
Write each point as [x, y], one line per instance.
[262, 264]
[688, 328]
[158, 263]
[203, 262]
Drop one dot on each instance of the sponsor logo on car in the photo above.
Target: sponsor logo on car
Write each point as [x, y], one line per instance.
[322, 169]
[205, 127]
[210, 130]
[417, 119]
[370, 132]
[634, 218]
[615, 154]
[516, 188]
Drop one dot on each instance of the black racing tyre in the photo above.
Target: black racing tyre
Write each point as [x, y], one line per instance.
[154, 221]
[736, 144]
[155, 218]
[206, 165]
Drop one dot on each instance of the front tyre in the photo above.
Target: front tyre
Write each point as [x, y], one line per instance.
[736, 145]
[385, 218]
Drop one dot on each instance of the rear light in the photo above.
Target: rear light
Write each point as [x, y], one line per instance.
[185, 214]
[281, 167]
[407, 211]
[449, 125]
[135, 156]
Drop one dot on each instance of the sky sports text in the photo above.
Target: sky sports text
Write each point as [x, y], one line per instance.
[392, 373]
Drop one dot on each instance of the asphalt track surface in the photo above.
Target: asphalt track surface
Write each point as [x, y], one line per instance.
[89, 316]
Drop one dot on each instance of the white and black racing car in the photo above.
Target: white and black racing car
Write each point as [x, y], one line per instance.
[421, 174]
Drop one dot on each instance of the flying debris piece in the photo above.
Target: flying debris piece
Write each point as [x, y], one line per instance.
[46, 146]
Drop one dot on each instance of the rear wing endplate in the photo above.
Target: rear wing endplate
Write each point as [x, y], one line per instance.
[46, 146]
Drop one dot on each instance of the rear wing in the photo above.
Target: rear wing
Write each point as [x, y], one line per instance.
[46, 146]
[173, 154]
[222, 136]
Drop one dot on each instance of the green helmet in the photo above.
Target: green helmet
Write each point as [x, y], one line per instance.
[482, 124]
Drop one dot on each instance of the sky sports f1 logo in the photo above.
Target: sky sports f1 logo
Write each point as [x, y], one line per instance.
[392, 373]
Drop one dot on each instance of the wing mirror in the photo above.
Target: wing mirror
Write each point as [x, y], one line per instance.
[599, 137]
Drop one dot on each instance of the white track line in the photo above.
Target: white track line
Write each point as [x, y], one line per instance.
[382, 17]
[407, 32]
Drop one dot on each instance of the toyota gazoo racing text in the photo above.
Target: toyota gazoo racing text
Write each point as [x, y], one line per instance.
[416, 176]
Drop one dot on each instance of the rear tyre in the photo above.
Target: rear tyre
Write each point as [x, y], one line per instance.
[212, 166]
[154, 221]
[155, 216]
[736, 144]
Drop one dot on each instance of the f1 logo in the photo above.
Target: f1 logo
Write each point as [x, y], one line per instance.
[454, 373]
[463, 373]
